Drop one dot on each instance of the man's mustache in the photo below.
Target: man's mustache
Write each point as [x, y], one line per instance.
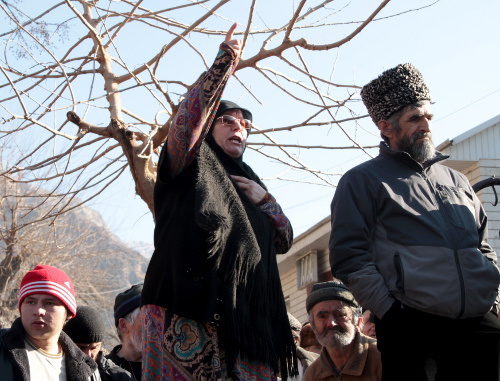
[419, 135]
[335, 329]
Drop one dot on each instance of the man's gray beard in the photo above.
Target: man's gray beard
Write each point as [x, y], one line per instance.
[338, 340]
[136, 339]
[419, 151]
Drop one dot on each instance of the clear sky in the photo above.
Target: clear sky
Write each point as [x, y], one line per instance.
[454, 43]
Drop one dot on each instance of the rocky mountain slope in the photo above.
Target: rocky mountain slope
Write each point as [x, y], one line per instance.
[99, 263]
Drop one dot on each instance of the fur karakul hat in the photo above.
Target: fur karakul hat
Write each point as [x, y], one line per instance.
[394, 89]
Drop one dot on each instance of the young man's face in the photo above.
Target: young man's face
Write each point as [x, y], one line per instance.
[43, 317]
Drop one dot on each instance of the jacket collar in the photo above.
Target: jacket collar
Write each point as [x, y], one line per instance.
[14, 342]
[356, 363]
[78, 365]
[405, 158]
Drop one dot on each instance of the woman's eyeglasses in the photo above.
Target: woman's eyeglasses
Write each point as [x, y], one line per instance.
[231, 120]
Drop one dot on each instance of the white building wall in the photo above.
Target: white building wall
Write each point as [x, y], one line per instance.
[478, 143]
[295, 298]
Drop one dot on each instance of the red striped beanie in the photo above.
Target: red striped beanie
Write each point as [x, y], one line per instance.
[49, 280]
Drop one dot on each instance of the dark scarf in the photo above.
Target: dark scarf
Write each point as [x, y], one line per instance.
[241, 240]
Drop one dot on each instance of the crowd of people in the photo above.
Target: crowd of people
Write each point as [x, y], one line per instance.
[56, 340]
[408, 248]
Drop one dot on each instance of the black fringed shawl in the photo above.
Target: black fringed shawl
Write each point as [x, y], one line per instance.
[215, 256]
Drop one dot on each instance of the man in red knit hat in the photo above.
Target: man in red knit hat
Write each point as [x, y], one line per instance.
[35, 348]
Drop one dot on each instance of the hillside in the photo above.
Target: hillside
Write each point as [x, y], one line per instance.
[99, 263]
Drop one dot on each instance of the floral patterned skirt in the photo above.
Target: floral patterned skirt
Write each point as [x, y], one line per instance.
[180, 349]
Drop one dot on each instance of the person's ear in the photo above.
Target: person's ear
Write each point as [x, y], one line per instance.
[385, 128]
[123, 324]
[360, 321]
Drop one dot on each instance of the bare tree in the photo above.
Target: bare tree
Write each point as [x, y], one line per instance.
[89, 88]
[76, 242]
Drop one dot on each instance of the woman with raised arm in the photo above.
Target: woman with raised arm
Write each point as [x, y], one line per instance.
[214, 308]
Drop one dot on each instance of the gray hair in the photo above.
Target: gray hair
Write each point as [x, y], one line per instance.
[130, 317]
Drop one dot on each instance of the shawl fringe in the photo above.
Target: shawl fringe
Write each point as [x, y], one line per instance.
[254, 322]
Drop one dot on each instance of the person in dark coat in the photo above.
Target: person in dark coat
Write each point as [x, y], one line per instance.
[212, 298]
[87, 331]
[35, 347]
[409, 237]
[127, 314]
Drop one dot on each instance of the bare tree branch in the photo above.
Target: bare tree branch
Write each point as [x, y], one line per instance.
[78, 109]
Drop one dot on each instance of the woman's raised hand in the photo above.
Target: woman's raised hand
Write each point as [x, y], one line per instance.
[235, 44]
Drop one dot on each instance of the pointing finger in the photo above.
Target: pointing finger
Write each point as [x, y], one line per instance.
[230, 32]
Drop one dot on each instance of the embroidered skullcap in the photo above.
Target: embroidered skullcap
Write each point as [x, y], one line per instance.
[86, 327]
[394, 89]
[49, 280]
[127, 301]
[329, 291]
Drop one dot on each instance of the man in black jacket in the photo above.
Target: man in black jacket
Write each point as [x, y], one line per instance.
[409, 238]
[35, 348]
[87, 331]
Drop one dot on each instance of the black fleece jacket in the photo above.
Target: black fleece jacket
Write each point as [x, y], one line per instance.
[14, 358]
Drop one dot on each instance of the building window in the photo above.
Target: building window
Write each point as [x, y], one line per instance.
[307, 269]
